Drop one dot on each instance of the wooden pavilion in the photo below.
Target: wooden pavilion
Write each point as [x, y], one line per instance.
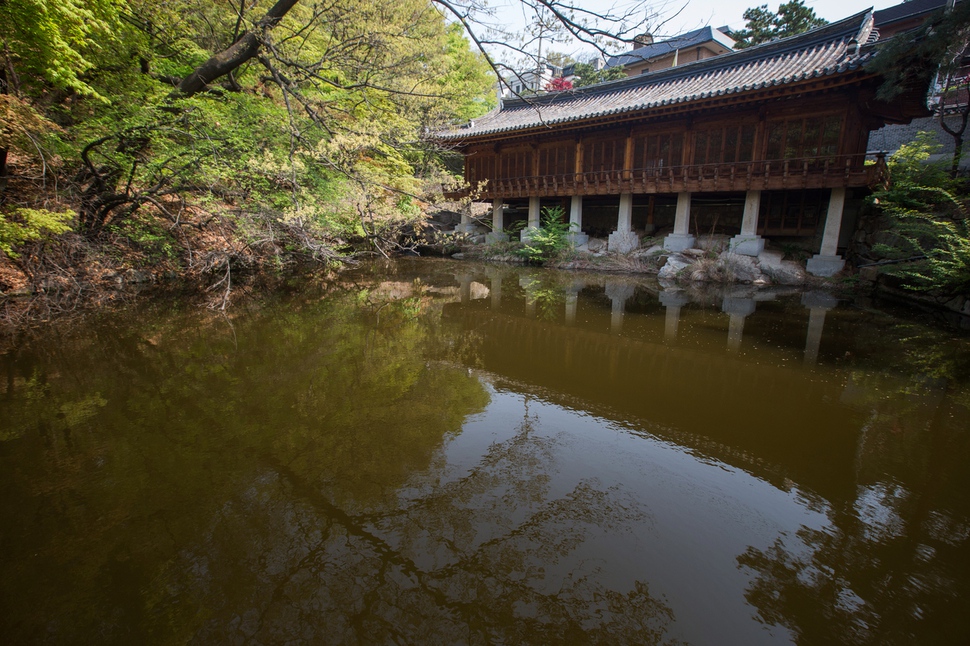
[764, 141]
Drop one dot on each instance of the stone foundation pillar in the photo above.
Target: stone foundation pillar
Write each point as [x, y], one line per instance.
[748, 242]
[498, 223]
[495, 280]
[466, 225]
[738, 309]
[818, 303]
[623, 240]
[672, 301]
[572, 299]
[618, 293]
[526, 283]
[827, 262]
[681, 238]
[464, 287]
[576, 236]
[534, 220]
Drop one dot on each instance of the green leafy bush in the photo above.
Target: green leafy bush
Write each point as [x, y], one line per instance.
[26, 225]
[928, 219]
[549, 240]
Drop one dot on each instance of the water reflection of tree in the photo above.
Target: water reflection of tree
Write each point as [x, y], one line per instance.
[489, 557]
[891, 566]
[232, 486]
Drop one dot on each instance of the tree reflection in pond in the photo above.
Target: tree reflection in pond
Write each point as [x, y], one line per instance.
[179, 478]
[890, 566]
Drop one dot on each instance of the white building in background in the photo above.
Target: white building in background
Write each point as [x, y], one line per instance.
[531, 81]
[535, 81]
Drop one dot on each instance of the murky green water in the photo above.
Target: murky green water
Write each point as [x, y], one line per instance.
[439, 453]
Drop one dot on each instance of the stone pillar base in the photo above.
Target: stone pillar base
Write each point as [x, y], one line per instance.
[577, 239]
[622, 242]
[819, 265]
[747, 245]
[492, 238]
[738, 306]
[526, 234]
[678, 241]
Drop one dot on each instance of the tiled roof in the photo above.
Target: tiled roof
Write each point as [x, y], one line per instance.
[831, 49]
[905, 10]
[663, 48]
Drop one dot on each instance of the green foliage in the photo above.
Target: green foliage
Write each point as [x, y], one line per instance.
[149, 236]
[549, 240]
[929, 219]
[26, 225]
[913, 59]
[763, 25]
[588, 75]
[321, 135]
[52, 39]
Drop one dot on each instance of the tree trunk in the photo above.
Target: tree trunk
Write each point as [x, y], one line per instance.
[3, 151]
[235, 55]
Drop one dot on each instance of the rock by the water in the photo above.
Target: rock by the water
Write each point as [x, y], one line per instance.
[743, 269]
[788, 272]
[674, 265]
[623, 242]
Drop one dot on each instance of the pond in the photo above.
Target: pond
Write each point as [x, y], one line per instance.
[434, 452]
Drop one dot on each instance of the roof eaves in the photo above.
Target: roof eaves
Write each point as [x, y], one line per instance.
[850, 29]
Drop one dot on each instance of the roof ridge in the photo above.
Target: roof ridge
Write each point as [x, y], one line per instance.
[823, 34]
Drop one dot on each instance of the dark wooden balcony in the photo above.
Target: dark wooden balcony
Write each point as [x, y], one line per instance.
[814, 172]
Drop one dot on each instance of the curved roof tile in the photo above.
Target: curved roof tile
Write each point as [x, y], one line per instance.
[831, 49]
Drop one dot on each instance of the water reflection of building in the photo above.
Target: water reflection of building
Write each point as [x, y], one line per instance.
[676, 364]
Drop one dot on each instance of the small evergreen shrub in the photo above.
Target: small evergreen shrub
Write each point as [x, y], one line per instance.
[929, 220]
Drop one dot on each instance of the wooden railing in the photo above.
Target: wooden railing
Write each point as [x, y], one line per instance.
[811, 172]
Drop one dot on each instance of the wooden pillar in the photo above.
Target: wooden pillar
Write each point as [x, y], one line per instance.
[628, 156]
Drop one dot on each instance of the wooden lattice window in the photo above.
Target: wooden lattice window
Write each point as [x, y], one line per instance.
[557, 159]
[658, 151]
[792, 213]
[515, 163]
[603, 154]
[481, 167]
[724, 144]
[804, 137]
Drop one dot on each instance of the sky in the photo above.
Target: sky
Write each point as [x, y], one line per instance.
[687, 15]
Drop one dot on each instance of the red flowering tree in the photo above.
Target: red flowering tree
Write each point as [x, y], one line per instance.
[558, 84]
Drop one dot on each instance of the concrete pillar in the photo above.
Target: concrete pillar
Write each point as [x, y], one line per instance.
[576, 235]
[464, 287]
[748, 242]
[572, 299]
[534, 219]
[498, 223]
[681, 238]
[466, 219]
[672, 301]
[623, 240]
[826, 262]
[618, 294]
[738, 309]
[526, 283]
[496, 290]
[818, 303]
[624, 220]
